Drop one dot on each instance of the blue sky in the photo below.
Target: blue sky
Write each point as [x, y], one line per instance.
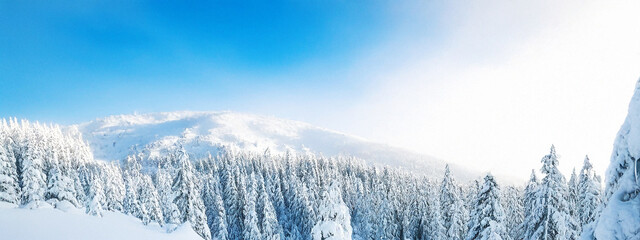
[75, 61]
[489, 84]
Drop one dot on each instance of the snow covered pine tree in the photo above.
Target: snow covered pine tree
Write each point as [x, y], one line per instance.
[589, 194]
[187, 197]
[452, 207]
[334, 222]
[620, 218]
[487, 216]
[551, 218]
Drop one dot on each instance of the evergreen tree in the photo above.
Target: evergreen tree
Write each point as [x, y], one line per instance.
[572, 197]
[187, 197]
[487, 216]
[619, 217]
[271, 229]
[590, 194]
[132, 175]
[232, 204]
[216, 214]
[149, 202]
[410, 216]
[77, 184]
[452, 207]
[334, 221]
[433, 225]
[132, 205]
[362, 210]
[302, 217]
[96, 198]
[381, 211]
[553, 219]
[60, 187]
[8, 172]
[219, 224]
[33, 179]
[529, 203]
[512, 203]
[114, 187]
[251, 231]
[471, 193]
[169, 208]
[274, 190]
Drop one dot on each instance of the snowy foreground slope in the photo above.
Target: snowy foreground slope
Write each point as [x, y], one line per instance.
[112, 138]
[620, 218]
[55, 224]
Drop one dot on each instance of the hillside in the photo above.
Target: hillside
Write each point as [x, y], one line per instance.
[112, 138]
[54, 224]
[233, 195]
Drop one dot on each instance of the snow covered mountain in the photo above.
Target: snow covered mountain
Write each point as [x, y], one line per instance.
[112, 138]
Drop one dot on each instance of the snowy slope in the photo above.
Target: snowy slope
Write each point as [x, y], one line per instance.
[620, 219]
[54, 224]
[112, 138]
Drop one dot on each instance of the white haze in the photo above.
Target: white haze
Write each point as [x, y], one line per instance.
[509, 80]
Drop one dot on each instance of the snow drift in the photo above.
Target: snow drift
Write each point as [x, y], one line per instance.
[54, 224]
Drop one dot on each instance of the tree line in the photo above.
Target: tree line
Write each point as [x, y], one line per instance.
[238, 195]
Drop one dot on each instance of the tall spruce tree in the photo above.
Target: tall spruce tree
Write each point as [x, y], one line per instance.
[132, 176]
[269, 225]
[452, 207]
[216, 214]
[487, 216]
[170, 211]
[302, 211]
[572, 196]
[589, 194]
[149, 202]
[60, 187]
[114, 187]
[531, 217]
[8, 172]
[232, 203]
[433, 225]
[31, 168]
[362, 210]
[251, 231]
[334, 220]
[96, 198]
[552, 215]
[187, 197]
[512, 203]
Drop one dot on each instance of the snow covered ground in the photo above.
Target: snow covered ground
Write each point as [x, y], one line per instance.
[112, 138]
[55, 224]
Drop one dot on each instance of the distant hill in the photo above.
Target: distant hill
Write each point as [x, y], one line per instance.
[201, 133]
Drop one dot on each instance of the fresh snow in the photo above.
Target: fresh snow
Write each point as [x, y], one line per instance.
[202, 133]
[239, 195]
[72, 223]
[620, 218]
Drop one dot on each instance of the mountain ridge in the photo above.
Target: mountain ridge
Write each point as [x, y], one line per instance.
[113, 138]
